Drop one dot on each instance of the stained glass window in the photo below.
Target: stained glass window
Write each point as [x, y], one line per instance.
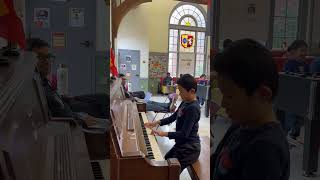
[188, 10]
[184, 17]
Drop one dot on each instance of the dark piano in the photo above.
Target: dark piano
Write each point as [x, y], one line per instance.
[135, 153]
[33, 145]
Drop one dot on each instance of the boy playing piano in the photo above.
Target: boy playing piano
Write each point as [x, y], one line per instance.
[187, 147]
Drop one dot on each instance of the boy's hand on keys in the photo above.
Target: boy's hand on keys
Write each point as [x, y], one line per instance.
[150, 125]
[159, 133]
[90, 120]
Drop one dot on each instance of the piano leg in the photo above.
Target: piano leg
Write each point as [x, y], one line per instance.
[207, 105]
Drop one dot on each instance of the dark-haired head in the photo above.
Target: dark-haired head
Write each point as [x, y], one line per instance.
[227, 43]
[39, 46]
[36, 43]
[247, 77]
[187, 86]
[298, 50]
[120, 75]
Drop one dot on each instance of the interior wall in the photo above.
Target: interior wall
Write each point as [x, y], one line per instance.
[146, 28]
[133, 35]
[316, 25]
[103, 23]
[157, 16]
[236, 23]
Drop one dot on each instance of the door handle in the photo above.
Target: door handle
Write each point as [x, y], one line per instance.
[137, 75]
[86, 44]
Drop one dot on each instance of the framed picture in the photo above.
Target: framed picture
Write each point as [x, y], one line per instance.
[42, 17]
[76, 17]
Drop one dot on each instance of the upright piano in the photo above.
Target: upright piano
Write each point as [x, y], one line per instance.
[134, 152]
[34, 146]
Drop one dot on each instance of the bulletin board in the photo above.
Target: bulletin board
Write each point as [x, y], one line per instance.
[158, 64]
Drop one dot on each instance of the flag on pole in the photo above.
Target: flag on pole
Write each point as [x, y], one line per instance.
[11, 27]
[113, 68]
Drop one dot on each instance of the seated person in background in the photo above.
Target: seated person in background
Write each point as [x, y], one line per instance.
[57, 105]
[202, 81]
[162, 107]
[187, 147]
[167, 80]
[138, 94]
[150, 105]
[41, 48]
[315, 65]
[254, 147]
[297, 52]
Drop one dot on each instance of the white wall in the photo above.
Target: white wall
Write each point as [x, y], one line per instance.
[158, 15]
[133, 35]
[237, 24]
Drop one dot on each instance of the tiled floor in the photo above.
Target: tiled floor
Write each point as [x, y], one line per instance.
[165, 144]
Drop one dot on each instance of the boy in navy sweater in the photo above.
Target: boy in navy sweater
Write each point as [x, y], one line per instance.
[255, 147]
[187, 147]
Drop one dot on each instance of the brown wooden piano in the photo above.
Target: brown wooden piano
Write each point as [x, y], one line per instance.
[134, 152]
[32, 145]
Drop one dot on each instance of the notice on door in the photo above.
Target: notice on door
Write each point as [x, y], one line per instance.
[58, 40]
[42, 17]
[76, 17]
[133, 67]
[186, 63]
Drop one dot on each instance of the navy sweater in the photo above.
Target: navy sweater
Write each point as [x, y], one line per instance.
[187, 123]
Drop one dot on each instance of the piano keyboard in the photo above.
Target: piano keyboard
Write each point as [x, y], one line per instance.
[62, 158]
[151, 141]
[98, 175]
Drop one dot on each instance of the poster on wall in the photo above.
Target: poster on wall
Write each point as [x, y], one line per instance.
[158, 64]
[42, 17]
[186, 63]
[123, 67]
[76, 17]
[134, 67]
[58, 40]
[128, 59]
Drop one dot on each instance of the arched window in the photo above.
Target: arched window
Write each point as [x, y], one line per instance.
[187, 40]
